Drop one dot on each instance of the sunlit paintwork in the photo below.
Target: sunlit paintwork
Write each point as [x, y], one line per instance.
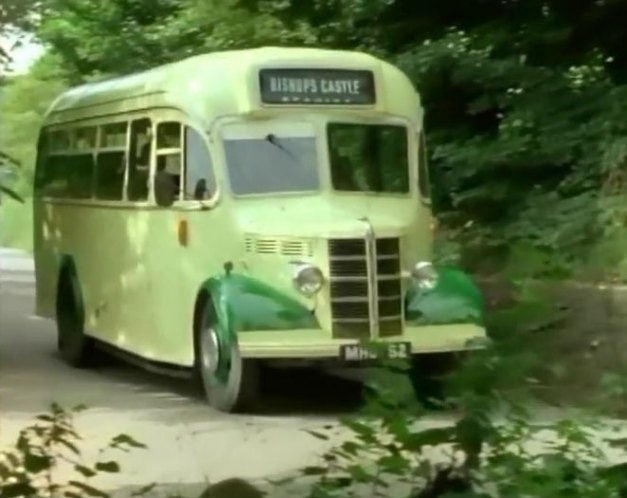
[140, 284]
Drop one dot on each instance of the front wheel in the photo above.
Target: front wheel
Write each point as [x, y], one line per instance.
[230, 384]
[428, 374]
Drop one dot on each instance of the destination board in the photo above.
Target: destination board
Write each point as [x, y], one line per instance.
[317, 86]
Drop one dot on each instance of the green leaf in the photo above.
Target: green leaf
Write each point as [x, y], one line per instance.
[144, 490]
[69, 445]
[85, 471]
[35, 464]
[89, 490]
[318, 435]
[314, 471]
[16, 490]
[111, 467]
[351, 447]
[125, 440]
[394, 464]
[429, 437]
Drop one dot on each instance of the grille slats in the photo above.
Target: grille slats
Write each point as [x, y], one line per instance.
[390, 300]
[350, 299]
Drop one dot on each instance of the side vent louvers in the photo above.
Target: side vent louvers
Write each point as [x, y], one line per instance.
[294, 248]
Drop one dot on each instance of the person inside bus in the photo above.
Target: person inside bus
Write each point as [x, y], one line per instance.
[169, 137]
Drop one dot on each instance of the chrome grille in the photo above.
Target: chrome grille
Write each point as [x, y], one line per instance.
[389, 295]
[350, 298]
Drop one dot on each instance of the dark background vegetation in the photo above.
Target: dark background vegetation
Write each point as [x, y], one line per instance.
[525, 102]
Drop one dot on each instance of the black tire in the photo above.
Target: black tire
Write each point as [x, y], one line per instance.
[74, 346]
[428, 376]
[232, 387]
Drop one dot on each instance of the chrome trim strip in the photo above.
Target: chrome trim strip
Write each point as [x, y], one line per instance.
[371, 254]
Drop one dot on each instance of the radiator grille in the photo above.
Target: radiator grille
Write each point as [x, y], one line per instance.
[350, 299]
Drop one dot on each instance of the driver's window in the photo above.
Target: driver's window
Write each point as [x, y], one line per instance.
[169, 153]
[199, 178]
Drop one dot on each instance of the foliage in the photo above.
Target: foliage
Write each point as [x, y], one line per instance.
[51, 446]
[525, 100]
[494, 449]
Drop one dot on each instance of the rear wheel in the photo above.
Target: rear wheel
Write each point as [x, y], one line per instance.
[230, 384]
[75, 347]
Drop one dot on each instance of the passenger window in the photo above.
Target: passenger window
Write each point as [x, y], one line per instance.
[139, 160]
[59, 141]
[85, 138]
[199, 178]
[110, 175]
[54, 181]
[80, 176]
[113, 135]
[169, 152]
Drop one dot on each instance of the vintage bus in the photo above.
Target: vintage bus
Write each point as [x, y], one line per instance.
[240, 208]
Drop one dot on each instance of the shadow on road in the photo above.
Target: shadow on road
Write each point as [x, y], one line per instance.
[284, 392]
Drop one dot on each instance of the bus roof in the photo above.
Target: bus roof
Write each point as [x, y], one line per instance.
[220, 83]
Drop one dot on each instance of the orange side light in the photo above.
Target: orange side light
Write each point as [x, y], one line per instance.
[183, 232]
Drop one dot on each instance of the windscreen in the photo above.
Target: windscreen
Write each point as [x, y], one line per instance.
[271, 162]
[369, 158]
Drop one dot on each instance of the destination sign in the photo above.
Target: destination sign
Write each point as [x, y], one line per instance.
[317, 86]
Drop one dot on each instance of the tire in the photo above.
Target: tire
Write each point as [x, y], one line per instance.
[232, 386]
[76, 349]
[428, 377]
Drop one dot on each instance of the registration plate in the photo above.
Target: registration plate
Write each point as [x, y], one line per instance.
[390, 350]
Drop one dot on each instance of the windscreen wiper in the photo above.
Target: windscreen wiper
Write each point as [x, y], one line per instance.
[271, 138]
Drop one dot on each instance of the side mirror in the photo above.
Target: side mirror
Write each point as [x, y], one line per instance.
[201, 192]
[165, 190]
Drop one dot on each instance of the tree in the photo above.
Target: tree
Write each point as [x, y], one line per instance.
[524, 99]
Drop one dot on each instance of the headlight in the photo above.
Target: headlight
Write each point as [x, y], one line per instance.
[308, 279]
[425, 275]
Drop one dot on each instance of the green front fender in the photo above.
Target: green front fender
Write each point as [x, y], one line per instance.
[454, 299]
[243, 303]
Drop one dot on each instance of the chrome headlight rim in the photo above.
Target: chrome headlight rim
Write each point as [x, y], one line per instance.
[425, 275]
[308, 279]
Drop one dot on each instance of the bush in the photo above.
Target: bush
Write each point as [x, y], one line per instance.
[49, 446]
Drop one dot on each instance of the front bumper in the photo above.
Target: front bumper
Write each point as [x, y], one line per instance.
[317, 344]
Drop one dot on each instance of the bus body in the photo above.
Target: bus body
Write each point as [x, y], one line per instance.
[263, 204]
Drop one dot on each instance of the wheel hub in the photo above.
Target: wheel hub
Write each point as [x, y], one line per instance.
[211, 351]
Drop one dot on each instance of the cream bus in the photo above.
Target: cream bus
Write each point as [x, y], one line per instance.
[240, 208]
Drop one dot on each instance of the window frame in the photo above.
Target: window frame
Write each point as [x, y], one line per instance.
[155, 116]
[423, 167]
[212, 162]
[166, 151]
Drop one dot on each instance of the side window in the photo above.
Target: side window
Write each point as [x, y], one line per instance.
[80, 176]
[81, 165]
[139, 160]
[424, 184]
[111, 162]
[169, 152]
[55, 181]
[199, 178]
[52, 168]
[59, 140]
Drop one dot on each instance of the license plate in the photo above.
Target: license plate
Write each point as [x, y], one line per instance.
[391, 350]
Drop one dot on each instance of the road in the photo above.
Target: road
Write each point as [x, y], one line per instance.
[188, 442]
